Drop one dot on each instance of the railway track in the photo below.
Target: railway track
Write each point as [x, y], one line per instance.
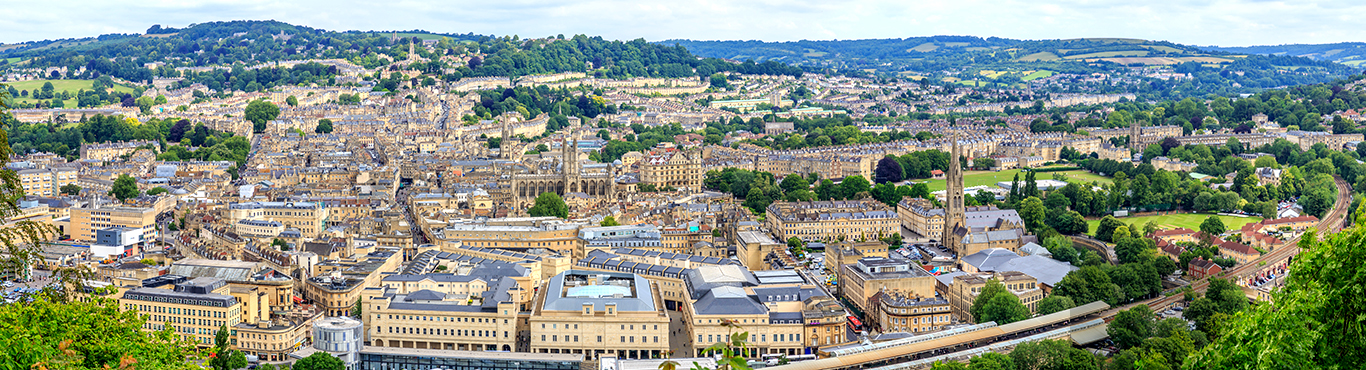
[1331, 223]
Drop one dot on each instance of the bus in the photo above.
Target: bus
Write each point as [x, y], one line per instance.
[854, 324]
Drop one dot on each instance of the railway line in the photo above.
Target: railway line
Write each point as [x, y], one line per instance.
[907, 353]
[1083, 324]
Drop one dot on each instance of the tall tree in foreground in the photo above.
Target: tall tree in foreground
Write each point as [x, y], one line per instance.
[22, 241]
[1313, 322]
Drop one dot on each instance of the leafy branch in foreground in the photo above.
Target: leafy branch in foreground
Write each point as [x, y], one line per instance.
[732, 351]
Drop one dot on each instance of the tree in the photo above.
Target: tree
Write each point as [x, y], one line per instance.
[852, 186]
[125, 187]
[1106, 229]
[609, 221]
[156, 190]
[71, 189]
[794, 182]
[85, 334]
[549, 204]
[888, 170]
[1212, 226]
[178, 131]
[1061, 248]
[995, 303]
[223, 358]
[324, 126]
[1032, 212]
[319, 361]
[259, 112]
[292, 101]
[1069, 223]
[356, 309]
[1130, 327]
[1055, 303]
[1315, 321]
[1052, 355]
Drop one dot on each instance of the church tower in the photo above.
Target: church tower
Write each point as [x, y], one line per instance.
[505, 150]
[954, 218]
[1135, 134]
[570, 156]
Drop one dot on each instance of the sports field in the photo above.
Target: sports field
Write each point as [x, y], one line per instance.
[1187, 220]
[1081, 175]
[989, 178]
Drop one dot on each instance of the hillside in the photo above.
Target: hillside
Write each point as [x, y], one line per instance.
[977, 61]
[454, 56]
[1349, 53]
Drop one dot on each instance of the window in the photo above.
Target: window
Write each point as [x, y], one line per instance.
[600, 338]
[623, 339]
[542, 337]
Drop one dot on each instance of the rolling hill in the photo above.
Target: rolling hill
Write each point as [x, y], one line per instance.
[1349, 53]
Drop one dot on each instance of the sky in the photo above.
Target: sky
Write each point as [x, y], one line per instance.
[1212, 22]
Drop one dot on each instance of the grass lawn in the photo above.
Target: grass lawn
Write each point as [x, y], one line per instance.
[989, 178]
[60, 85]
[1187, 220]
[1082, 175]
[1037, 75]
[976, 178]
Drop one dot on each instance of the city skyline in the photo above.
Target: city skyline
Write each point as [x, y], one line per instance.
[1236, 23]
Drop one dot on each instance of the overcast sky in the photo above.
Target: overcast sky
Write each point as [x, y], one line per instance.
[1214, 22]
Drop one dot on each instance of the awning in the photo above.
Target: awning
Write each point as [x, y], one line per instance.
[1091, 335]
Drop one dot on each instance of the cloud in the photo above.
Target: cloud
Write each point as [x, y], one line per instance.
[1218, 22]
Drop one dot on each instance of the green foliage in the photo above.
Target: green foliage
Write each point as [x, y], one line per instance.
[125, 187]
[995, 303]
[71, 189]
[84, 334]
[1055, 303]
[319, 361]
[259, 112]
[324, 126]
[1130, 327]
[1052, 355]
[609, 221]
[1213, 226]
[549, 204]
[292, 101]
[1106, 230]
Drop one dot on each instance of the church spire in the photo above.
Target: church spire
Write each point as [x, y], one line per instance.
[954, 212]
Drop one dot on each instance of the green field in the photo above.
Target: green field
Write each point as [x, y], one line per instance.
[1081, 175]
[60, 85]
[1187, 220]
[1108, 55]
[925, 48]
[1037, 75]
[989, 178]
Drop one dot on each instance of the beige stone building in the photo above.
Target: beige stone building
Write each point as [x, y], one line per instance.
[470, 306]
[896, 312]
[964, 288]
[782, 313]
[860, 280]
[310, 218]
[85, 221]
[676, 169]
[600, 313]
[520, 233]
[832, 220]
